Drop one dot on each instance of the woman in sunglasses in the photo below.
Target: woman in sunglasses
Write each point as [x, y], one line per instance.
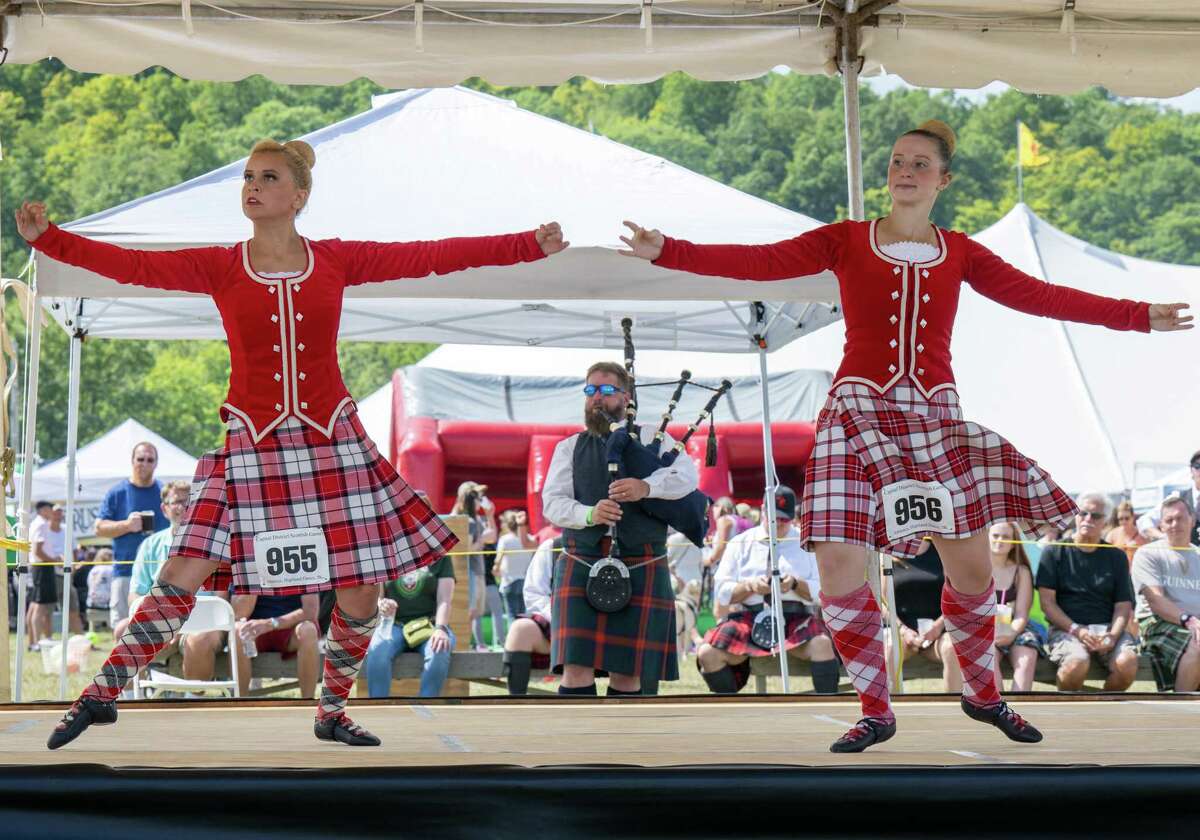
[894, 460]
[298, 499]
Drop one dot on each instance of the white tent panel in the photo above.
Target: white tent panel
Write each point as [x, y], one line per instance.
[375, 413]
[106, 461]
[1137, 49]
[435, 163]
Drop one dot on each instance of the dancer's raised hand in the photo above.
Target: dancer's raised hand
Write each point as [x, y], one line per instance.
[647, 244]
[550, 237]
[1168, 317]
[31, 220]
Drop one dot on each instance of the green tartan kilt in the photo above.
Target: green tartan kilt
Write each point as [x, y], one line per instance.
[638, 640]
[1165, 642]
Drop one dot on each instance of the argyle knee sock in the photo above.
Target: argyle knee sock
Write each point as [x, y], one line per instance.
[971, 623]
[158, 617]
[855, 622]
[345, 648]
[825, 676]
[517, 665]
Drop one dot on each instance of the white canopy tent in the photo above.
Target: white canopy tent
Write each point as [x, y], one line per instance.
[1087, 403]
[482, 148]
[106, 460]
[1062, 46]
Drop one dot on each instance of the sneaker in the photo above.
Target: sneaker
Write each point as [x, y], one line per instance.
[863, 734]
[83, 713]
[1005, 719]
[340, 728]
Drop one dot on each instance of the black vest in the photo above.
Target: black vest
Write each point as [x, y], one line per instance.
[637, 532]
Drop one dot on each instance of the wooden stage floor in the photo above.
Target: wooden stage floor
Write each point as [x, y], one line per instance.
[701, 732]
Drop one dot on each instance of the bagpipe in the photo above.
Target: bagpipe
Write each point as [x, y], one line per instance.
[628, 457]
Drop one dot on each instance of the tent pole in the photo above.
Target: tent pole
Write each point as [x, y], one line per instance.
[69, 524]
[34, 322]
[850, 63]
[772, 486]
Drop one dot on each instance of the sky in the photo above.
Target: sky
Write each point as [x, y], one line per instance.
[1189, 102]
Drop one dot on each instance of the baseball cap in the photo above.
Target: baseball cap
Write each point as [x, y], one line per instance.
[785, 502]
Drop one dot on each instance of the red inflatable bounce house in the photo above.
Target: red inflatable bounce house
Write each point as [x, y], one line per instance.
[449, 427]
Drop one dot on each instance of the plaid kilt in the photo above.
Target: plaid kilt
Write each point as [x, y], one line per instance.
[867, 441]
[376, 527]
[639, 640]
[539, 661]
[1166, 643]
[732, 635]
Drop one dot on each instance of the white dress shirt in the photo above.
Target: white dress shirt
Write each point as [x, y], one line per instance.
[558, 494]
[539, 580]
[747, 556]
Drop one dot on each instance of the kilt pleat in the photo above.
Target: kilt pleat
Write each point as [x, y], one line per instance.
[638, 640]
[375, 526]
[867, 441]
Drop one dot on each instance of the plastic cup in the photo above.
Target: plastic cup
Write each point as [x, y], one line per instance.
[1097, 629]
[147, 520]
[924, 625]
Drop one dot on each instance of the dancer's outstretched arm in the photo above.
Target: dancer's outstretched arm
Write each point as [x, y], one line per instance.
[992, 277]
[186, 270]
[372, 262]
[808, 253]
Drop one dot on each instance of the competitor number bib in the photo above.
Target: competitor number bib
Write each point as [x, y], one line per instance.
[911, 507]
[296, 557]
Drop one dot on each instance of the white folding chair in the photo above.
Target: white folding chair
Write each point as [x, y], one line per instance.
[210, 613]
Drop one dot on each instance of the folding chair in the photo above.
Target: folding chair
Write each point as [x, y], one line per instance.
[211, 613]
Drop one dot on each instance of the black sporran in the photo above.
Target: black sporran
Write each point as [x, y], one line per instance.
[609, 589]
[762, 632]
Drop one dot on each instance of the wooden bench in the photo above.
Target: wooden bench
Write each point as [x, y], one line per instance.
[921, 668]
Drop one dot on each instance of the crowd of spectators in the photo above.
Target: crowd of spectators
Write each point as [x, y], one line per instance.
[1113, 590]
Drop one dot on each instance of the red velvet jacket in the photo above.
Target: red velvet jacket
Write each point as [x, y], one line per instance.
[283, 332]
[899, 315]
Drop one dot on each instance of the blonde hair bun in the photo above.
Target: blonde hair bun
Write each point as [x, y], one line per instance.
[307, 154]
[940, 129]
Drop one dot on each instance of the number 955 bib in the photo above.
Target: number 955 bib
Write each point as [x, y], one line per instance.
[911, 507]
[296, 557]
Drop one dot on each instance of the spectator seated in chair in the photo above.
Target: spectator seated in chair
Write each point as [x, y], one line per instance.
[742, 583]
[419, 604]
[1166, 577]
[1017, 636]
[918, 584]
[527, 647]
[199, 649]
[283, 624]
[1087, 596]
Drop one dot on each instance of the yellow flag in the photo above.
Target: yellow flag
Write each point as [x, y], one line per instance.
[1029, 149]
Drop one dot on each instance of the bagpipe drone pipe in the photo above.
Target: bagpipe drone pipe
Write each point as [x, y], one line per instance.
[687, 515]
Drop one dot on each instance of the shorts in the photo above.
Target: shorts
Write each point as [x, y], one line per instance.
[1064, 646]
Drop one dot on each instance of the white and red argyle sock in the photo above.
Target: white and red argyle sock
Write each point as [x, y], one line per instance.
[855, 621]
[345, 648]
[971, 623]
[157, 619]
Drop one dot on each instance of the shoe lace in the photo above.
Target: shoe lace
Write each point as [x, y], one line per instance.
[1014, 718]
[69, 717]
[350, 726]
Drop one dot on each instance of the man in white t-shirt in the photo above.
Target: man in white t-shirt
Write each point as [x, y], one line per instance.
[1166, 579]
[47, 543]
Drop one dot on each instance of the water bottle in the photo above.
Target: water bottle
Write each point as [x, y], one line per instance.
[249, 646]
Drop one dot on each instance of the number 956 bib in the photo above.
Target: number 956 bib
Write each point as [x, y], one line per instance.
[296, 557]
[911, 507]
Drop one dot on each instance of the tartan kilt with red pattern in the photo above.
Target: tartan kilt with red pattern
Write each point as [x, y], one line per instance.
[639, 640]
[376, 527]
[867, 441]
[539, 661]
[732, 635]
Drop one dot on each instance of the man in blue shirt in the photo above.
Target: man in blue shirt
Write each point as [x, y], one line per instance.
[121, 521]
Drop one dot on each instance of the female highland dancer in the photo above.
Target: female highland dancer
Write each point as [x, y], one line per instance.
[895, 461]
[298, 499]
